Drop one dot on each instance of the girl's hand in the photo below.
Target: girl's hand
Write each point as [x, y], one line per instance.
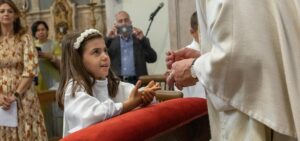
[134, 95]
[149, 92]
[134, 100]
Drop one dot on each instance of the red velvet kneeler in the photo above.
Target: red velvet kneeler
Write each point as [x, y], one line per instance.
[144, 123]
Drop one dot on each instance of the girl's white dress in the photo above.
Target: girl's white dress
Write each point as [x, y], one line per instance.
[83, 110]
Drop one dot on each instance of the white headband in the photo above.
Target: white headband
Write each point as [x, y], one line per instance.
[84, 35]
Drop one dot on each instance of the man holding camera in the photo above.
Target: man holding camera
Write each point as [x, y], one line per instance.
[129, 49]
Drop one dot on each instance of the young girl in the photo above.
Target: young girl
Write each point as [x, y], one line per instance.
[89, 92]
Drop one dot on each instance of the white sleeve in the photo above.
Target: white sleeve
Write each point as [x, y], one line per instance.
[83, 110]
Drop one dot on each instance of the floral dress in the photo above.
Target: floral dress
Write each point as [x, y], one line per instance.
[18, 58]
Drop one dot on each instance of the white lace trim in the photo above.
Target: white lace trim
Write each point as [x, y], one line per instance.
[84, 35]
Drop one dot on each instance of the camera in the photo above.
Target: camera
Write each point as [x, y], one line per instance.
[125, 29]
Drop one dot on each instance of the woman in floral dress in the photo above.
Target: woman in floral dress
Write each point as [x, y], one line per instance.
[18, 66]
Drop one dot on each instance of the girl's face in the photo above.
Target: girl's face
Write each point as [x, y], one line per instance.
[41, 33]
[96, 59]
[7, 14]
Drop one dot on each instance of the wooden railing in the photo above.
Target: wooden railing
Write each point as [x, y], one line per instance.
[47, 96]
[161, 95]
[160, 78]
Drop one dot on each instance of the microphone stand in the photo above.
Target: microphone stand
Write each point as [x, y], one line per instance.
[151, 20]
[153, 14]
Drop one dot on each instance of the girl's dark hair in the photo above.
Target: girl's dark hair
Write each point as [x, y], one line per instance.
[113, 83]
[17, 27]
[35, 25]
[72, 68]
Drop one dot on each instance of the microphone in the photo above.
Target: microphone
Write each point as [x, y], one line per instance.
[156, 10]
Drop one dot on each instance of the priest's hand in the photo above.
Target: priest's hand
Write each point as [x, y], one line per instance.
[183, 53]
[180, 74]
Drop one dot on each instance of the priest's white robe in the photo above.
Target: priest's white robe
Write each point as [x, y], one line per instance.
[251, 71]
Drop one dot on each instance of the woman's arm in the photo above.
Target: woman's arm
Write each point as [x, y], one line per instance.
[55, 60]
[30, 70]
[24, 85]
